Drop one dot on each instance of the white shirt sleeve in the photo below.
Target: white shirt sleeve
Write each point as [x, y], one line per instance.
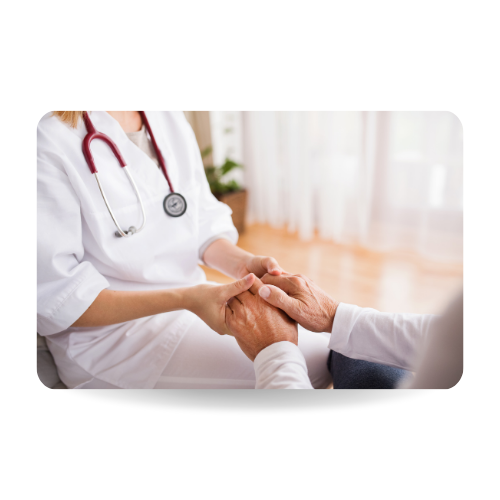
[66, 283]
[386, 338]
[214, 217]
[281, 366]
[359, 333]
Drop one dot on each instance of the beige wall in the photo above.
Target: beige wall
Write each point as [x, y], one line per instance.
[200, 122]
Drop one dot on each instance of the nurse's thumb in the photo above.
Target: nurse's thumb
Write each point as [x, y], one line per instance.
[239, 286]
[278, 298]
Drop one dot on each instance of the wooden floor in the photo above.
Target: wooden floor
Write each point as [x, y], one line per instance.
[391, 282]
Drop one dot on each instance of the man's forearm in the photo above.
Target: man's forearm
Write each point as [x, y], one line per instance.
[391, 339]
[281, 366]
[113, 306]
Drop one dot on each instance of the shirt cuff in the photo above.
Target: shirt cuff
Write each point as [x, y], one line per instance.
[203, 248]
[281, 366]
[73, 305]
[343, 323]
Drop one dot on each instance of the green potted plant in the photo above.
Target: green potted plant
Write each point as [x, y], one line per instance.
[227, 191]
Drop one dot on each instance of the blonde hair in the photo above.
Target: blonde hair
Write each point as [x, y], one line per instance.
[70, 117]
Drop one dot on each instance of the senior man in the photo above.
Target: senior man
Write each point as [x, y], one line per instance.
[370, 349]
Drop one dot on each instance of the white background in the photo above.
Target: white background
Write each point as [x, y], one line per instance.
[275, 55]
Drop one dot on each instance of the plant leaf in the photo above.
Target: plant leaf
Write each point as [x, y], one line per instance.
[229, 165]
[206, 151]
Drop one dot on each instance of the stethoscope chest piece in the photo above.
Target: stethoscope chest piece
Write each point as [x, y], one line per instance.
[174, 205]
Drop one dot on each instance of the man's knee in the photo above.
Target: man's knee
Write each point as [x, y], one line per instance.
[348, 373]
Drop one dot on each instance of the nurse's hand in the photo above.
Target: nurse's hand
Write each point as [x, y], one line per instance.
[209, 302]
[260, 265]
[255, 324]
[301, 299]
[236, 262]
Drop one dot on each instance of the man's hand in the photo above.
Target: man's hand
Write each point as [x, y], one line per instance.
[260, 265]
[301, 299]
[209, 301]
[256, 324]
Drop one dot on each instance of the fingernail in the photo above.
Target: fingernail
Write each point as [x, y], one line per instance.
[248, 277]
[264, 292]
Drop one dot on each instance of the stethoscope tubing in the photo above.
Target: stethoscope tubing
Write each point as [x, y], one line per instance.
[161, 161]
[92, 134]
[132, 230]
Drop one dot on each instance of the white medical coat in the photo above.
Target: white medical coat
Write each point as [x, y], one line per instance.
[79, 254]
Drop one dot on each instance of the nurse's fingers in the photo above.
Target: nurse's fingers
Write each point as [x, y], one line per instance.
[237, 287]
[229, 317]
[236, 308]
[271, 266]
[232, 299]
[285, 282]
[257, 284]
[245, 297]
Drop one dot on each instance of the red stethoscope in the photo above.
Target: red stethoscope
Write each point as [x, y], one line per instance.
[174, 203]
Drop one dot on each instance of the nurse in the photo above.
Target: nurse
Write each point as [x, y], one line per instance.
[122, 301]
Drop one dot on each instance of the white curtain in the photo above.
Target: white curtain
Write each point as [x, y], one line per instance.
[381, 180]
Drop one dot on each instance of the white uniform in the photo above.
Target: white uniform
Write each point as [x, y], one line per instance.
[79, 256]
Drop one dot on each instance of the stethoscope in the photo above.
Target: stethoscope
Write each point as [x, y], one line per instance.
[174, 203]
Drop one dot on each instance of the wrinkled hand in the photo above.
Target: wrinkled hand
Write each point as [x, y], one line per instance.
[301, 299]
[260, 265]
[209, 301]
[256, 324]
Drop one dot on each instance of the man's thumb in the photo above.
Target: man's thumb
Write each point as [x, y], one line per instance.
[277, 297]
[239, 286]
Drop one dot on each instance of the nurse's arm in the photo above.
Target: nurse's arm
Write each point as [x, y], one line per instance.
[206, 301]
[235, 262]
[114, 306]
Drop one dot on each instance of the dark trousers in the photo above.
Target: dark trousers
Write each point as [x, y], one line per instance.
[350, 373]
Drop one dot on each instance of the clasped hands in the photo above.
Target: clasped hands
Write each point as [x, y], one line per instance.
[261, 312]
